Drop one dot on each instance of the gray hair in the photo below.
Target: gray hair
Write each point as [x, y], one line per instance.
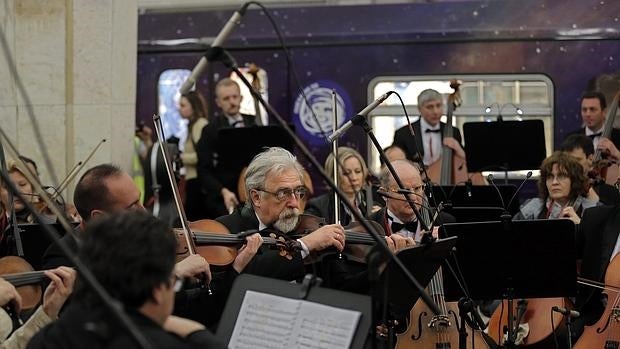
[273, 160]
[427, 96]
[385, 177]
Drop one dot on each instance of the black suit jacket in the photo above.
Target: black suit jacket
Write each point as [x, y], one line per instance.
[212, 178]
[615, 135]
[54, 257]
[596, 238]
[267, 262]
[410, 144]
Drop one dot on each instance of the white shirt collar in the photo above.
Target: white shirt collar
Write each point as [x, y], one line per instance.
[590, 132]
[426, 126]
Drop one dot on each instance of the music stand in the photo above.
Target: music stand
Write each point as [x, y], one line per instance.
[423, 261]
[238, 145]
[512, 260]
[36, 241]
[504, 145]
[481, 196]
[334, 298]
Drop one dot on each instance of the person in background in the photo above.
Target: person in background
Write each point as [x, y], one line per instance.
[581, 148]
[351, 180]
[562, 189]
[192, 107]
[218, 183]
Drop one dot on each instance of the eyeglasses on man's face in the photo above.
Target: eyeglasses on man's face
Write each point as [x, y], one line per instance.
[286, 193]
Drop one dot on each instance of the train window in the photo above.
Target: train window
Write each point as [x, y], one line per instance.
[484, 97]
[168, 94]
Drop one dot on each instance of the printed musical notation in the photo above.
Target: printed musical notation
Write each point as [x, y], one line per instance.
[268, 321]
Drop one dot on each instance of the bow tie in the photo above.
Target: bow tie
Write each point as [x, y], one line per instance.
[428, 130]
[594, 135]
[411, 226]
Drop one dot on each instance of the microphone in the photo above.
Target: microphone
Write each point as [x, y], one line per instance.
[363, 112]
[501, 198]
[566, 312]
[217, 42]
[527, 176]
[468, 185]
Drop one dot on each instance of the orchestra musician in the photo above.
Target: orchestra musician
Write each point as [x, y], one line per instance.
[598, 242]
[132, 255]
[593, 108]
[218, 184]
[397, 217]
[563, 191]
[106, 189]
[428, 140]
[351, 180]
[581, 148]
[54, 297]
[274, 188]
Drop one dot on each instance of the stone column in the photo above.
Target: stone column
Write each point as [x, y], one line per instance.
[77, 61]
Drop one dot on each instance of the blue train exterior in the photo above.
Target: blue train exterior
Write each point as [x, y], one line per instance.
[571, 41]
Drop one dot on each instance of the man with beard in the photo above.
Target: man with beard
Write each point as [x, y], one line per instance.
[274, 188]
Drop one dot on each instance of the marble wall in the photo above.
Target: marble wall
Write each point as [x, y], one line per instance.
[77, 62]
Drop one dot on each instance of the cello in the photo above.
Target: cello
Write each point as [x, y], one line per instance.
[428, 331]
[605, 333]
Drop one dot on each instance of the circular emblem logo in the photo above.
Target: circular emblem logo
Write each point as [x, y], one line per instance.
[319, 96]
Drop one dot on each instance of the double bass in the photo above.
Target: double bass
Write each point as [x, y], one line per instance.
[451, 169]
[604, 170]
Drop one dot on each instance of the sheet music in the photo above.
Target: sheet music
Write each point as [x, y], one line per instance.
[274, 322]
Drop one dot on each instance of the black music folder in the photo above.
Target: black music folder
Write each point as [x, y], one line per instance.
[35, 241]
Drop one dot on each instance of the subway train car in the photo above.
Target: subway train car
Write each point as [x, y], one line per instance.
[517, 59]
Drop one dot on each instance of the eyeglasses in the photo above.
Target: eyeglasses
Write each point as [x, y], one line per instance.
[285, 193]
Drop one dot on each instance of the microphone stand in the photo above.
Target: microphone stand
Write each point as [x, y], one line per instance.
[229, 62]
[17, 237]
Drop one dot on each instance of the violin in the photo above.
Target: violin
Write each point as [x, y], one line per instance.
[214, 242]
[357, 239]
[20, 273]
[605, 333]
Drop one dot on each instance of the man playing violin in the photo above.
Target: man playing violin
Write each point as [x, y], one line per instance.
[106, 189]
[397, 217]
[582, 149]
[274, 188]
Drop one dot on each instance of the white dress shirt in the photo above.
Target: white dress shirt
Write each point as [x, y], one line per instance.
[431, 141]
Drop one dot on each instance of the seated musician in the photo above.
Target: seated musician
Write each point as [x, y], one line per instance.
[55, 295]
[106, 189]
[132, 255]
[397, 217]
[562, 191]
[428, 139]
[351, 180]
[274, 187]
[581, 148]
[598, 243]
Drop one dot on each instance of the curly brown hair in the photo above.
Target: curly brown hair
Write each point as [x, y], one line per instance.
[568, 166]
